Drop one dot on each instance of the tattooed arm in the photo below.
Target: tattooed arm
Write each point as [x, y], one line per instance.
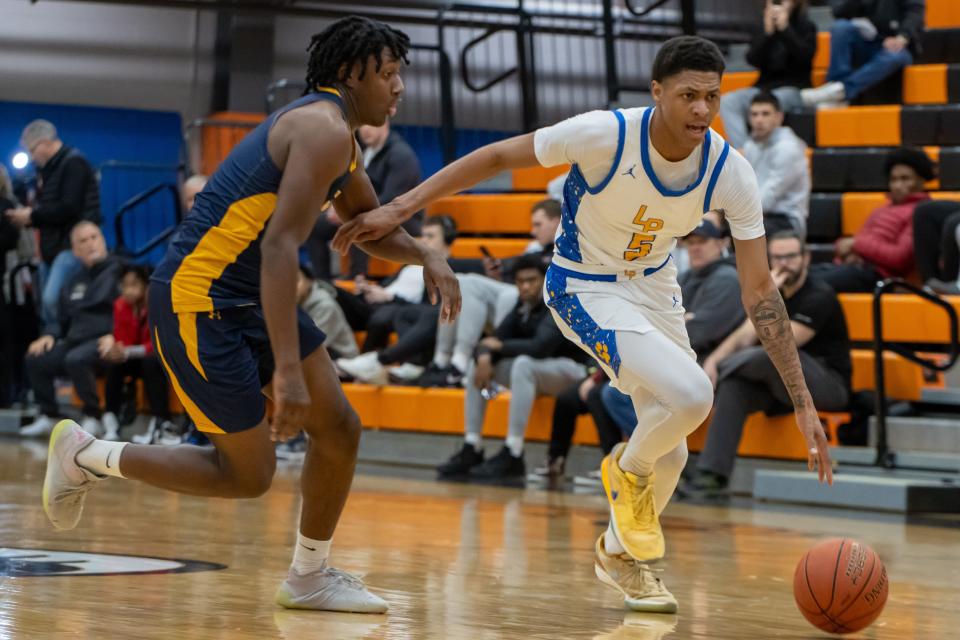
[765, 309]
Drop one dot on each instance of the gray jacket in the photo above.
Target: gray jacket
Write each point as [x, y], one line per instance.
[711, 298]
[321, 305]
[780, 162]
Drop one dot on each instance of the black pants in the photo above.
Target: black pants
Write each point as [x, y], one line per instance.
[318, 246]
[151, 371]
[381, 324]
[416, 327]
[847, 278]
[79, 362]
[18, 328]
[748, 383]
[935, 239]
[566, 410]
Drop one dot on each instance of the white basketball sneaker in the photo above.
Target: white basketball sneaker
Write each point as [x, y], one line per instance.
[66, 483]
[39, 428]
[328, 590]
[641, 589]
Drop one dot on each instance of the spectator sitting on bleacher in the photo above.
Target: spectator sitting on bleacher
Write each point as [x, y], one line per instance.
[71, 345]
[936, 244]
[487, 300]
[745, 377]
[415, 324]
[319, 300]
[779, 158]
[188, 192]
[783, 52]
[67, 192]
[869, 41]
[883, 247]
[528, 355]
[128, 354]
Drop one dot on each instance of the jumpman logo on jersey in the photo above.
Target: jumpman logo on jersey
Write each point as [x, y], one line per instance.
[675, 301]
[629, 172]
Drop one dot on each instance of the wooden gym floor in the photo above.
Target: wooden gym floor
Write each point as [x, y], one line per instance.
[454, 561]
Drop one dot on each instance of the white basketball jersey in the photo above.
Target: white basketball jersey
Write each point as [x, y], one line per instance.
[628, 222]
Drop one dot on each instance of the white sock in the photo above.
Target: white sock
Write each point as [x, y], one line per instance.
[460, 361]
[310, 555]
[636, 466]
[515, 444]
[102, 458]
[611, 543]
[473, 439]
[441, 359]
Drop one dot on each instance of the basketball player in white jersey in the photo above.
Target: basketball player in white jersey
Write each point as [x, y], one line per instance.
[639, 179]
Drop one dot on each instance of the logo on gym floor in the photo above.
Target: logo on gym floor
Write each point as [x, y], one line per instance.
[30, 563]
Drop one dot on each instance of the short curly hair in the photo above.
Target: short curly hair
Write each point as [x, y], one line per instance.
[687, 53]
[347, 41]
[916, 159]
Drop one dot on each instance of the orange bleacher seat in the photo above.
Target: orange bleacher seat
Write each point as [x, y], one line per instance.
[536, 178]
[859, 126]
[906, 318]
[942, 14]
[821, 59]
[925, 84]
[488, 213]
[772, 436]
[903, 379]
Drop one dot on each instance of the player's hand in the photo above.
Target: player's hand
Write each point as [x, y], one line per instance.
[368, 226]
[292, 402]
[439, 279]
[818, 450]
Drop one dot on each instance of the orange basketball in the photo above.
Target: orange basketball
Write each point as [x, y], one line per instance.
[840, 585]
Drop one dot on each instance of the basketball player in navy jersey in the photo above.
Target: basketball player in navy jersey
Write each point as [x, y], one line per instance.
[226, 326]
[639, 179]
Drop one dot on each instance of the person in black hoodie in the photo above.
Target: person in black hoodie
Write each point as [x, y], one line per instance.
[783, 51]
[529, 355]
[869, 40]
[71, 346]
[68, 192]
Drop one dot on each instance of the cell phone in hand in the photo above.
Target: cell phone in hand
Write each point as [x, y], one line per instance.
[486, 252]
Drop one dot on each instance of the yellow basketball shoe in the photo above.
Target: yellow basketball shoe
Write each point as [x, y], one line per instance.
[641, 589]
[632, 508]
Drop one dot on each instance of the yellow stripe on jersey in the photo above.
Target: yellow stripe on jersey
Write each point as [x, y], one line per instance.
[329, 90]
[199, 418]
[188, 334]
[219, 247]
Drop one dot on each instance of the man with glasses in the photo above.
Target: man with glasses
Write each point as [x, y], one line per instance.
[745, 378]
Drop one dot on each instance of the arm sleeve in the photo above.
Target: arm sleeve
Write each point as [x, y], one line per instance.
[544, 343]
[588, 140]
[403, 174]
[815, 309]
[717, 311]
[911, 26]
[802, 42]
[892, 254]
[73, 185]
[738, 195]
[784, 174]
[408, 285]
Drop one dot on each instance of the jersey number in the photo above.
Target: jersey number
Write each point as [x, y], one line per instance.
[642, 243]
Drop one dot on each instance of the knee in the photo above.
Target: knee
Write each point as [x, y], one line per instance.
[842, 27]
[522, 367]
[76, 362]
[695, 401]
[254, 483]
[340, 433]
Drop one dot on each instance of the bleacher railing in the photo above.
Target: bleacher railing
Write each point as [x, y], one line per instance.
[885, 457]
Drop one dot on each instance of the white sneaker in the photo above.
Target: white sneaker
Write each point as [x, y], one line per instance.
[39, 428]
[92, 426]
[641, 589]
[406, 372]
[365, 368]
[328, 590]
[829, 93]
[148, 436]
[589, 479]
[168, 433]
[111, 427]
[66, 483]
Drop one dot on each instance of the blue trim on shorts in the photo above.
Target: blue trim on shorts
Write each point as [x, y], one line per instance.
[602, 343]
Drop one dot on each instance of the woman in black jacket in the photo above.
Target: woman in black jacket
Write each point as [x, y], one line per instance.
[783, 52]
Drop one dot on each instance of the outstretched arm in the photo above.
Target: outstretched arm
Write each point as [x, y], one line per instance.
[765, 308]
[484, 163]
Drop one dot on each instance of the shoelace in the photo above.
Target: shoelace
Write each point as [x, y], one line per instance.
[349, 579]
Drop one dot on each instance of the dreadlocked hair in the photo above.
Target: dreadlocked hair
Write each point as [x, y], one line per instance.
[347, 41]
